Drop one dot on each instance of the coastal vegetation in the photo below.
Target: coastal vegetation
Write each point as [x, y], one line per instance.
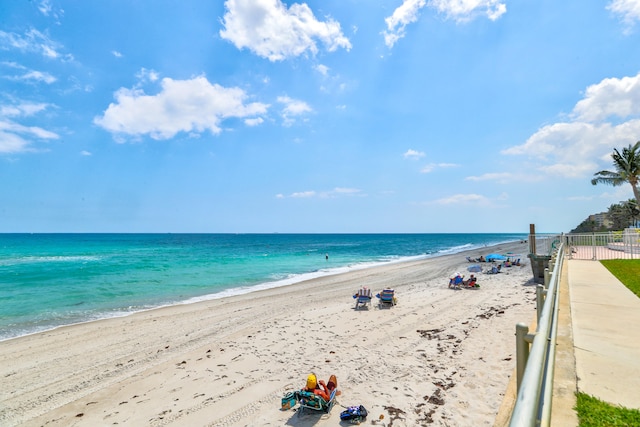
[618, 217]
[627, 169]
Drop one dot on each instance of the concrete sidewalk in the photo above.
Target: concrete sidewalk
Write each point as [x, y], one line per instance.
[600, 322]
[597, 347]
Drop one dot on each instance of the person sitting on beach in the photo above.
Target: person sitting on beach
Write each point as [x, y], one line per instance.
[481, 259]
[454, 282]
[470, 282]
[363, 292]
[319, 388]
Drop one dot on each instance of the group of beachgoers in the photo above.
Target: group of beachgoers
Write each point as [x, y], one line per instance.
[457, 281]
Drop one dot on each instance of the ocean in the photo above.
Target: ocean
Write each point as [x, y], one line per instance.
[50, 280]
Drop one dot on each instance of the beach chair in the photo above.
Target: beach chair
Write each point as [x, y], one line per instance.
[309, 400]
[363, 297]
[494, 269]
[387, 298]
[456, 281]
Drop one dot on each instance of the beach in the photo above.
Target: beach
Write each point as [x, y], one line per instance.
[439, 357]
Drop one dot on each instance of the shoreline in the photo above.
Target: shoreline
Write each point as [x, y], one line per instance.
[228, 361]
[294, 279]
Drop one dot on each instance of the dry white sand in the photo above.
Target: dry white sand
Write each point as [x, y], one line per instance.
[440, 357]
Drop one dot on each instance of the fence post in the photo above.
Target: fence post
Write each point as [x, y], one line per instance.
[547, 278]
[593, 245]
[522, 351]
[541, 294]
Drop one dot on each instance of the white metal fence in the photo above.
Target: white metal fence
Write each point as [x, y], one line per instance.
[591, 246]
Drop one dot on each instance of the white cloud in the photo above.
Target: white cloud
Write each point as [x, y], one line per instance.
[322, 69]
[607, 117]
[432, 166]
[494, 176]
[193, 105]
[458, 10]
[23, 109]
[458, 199]
[610, 98]
[46, 8]
[271, 30]
[254, 122]
[396, 23]
[116, 54]
[293, 108]
[145, 75]
[413, 154]
[336, 192]
[27, 75]
[303, 194]
[466, 10]
[33, 41]
[85, 153]
[15, 137]
[341, 190]
[628, 10]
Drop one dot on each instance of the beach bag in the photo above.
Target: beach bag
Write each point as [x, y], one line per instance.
[354, 414]
[288, 401]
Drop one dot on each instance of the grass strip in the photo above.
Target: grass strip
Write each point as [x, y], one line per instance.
[593, 412]
[627, 271]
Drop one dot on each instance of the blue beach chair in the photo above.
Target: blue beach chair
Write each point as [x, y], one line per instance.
[387, 298]
[363, 298]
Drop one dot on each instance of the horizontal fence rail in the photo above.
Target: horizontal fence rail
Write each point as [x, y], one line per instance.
[536, 351]
[536, 365]
[590, 246]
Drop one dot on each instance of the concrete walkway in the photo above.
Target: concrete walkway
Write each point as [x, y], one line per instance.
[597, 347]
[605, 323]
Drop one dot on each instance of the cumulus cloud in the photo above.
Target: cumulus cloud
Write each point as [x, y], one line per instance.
[322, 69]
[292, 109]
[191, 106]
[611, 97]
[271, 30]
[254, 122]
[16, 137]
[466, 10]
[457, 10]
[413, 154]
[627, 10]
[608, 116]
[396, 23]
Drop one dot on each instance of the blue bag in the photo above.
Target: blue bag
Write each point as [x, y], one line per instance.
[354, 414]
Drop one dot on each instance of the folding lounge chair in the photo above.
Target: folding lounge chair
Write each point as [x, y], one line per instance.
[386, 298]
[309, 400]
[363, 297]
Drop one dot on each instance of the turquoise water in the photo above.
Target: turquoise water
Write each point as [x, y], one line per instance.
[49, 280]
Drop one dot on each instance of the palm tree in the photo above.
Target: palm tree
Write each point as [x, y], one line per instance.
[627, 167]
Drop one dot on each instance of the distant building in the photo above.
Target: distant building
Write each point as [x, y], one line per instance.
[601, 219]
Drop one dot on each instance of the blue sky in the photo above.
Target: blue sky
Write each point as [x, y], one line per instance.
[317, 116]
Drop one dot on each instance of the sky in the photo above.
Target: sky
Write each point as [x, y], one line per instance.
[318, 116]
